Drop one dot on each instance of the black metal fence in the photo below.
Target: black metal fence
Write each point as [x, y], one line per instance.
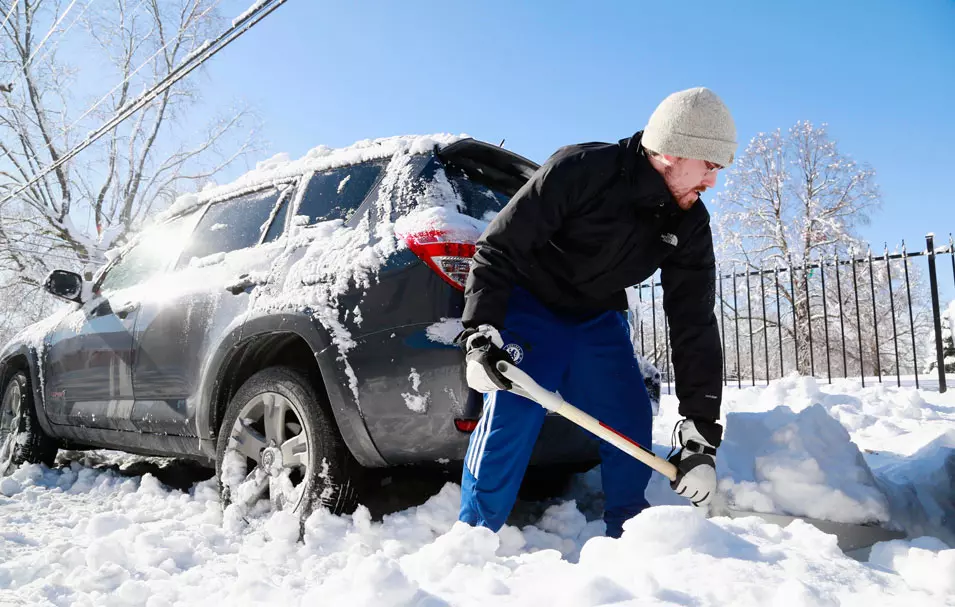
[868, 317]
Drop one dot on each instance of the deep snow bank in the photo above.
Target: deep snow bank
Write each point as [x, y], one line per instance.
[801, 463]
[83, 536]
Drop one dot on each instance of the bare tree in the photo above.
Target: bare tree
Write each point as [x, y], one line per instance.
[790, 200]
[137, 168]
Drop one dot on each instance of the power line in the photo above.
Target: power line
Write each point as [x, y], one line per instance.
[65, 32]
[49, 33]
[194, 60]
[9, 12]
[131, 74]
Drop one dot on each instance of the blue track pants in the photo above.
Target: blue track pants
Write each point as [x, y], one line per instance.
[591, 364]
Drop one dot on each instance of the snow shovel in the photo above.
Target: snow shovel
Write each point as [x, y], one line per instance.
[850, 536]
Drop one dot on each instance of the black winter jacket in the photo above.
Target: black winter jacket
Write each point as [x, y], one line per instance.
[594, 219]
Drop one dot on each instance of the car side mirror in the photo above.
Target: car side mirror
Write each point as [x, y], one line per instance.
[65, 285]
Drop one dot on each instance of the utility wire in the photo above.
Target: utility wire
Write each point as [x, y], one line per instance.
[206, 52]
[9, 12]
[131, 74]
[65, 32]
[49, 33]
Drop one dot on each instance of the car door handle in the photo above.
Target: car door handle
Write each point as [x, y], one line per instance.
[240, 284]
[124, 310]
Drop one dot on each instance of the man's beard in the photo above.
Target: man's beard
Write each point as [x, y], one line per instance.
[685, 197]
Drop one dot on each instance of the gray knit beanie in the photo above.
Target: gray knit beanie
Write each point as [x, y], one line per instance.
[694, 123]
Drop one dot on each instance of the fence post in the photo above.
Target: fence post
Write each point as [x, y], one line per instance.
[806, 271]
[749, 312]
[653, 317]
[643, 347]
[762, 294]
[855, 287]
[739, 370]
[842, 322]
[875, 320]
[779, 322]
[936, 310]
[895, 331]
[792, 289]
[666, 346]
[722, 323]
[908, 296]
[951, 255]
[825, 314]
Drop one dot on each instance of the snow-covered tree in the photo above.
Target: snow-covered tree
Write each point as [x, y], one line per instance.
[790, 200]
[57, 61]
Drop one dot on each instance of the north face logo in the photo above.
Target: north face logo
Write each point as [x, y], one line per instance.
[670, 239]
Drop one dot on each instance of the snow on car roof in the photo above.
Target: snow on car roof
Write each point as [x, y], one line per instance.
[280, 167]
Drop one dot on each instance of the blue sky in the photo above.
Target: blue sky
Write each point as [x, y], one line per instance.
[545, 74]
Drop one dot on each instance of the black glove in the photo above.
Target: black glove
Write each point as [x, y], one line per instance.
[696, 461]
[483, 346]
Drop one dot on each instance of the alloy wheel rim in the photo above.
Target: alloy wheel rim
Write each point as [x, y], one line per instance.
[268, 453]
[9, 423]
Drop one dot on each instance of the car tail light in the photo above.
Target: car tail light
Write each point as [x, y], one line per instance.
[466, 425]
[448, 255]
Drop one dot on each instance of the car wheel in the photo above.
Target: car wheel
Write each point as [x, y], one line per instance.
[278, 443]
[21, 438]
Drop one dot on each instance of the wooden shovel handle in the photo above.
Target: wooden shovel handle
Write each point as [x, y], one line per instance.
[528, 388]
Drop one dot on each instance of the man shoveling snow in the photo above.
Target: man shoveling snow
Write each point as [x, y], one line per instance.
[546, 291]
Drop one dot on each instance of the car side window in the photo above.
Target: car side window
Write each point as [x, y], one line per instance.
[337, 193]
[231, 225]
[277, 225]
[151, 254]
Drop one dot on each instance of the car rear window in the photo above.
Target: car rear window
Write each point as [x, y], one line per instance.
[336, 193]
[480, 201]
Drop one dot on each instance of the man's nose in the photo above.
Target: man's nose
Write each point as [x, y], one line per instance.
[709, 180]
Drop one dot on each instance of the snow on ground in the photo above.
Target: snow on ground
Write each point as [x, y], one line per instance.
[82, 535]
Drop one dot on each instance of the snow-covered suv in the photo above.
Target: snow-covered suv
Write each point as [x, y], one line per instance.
[293, 327]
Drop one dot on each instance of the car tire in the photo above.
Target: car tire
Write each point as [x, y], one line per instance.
[281, 430]
[22, 440]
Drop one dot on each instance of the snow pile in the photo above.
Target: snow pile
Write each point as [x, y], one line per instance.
[84, 536]
[875, 416]
[797, 463]
[921, 488]
[906, 438]
[106, 540]
[925, 563]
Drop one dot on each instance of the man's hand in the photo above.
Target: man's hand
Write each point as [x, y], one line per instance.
[696, 460]
[483, 346]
